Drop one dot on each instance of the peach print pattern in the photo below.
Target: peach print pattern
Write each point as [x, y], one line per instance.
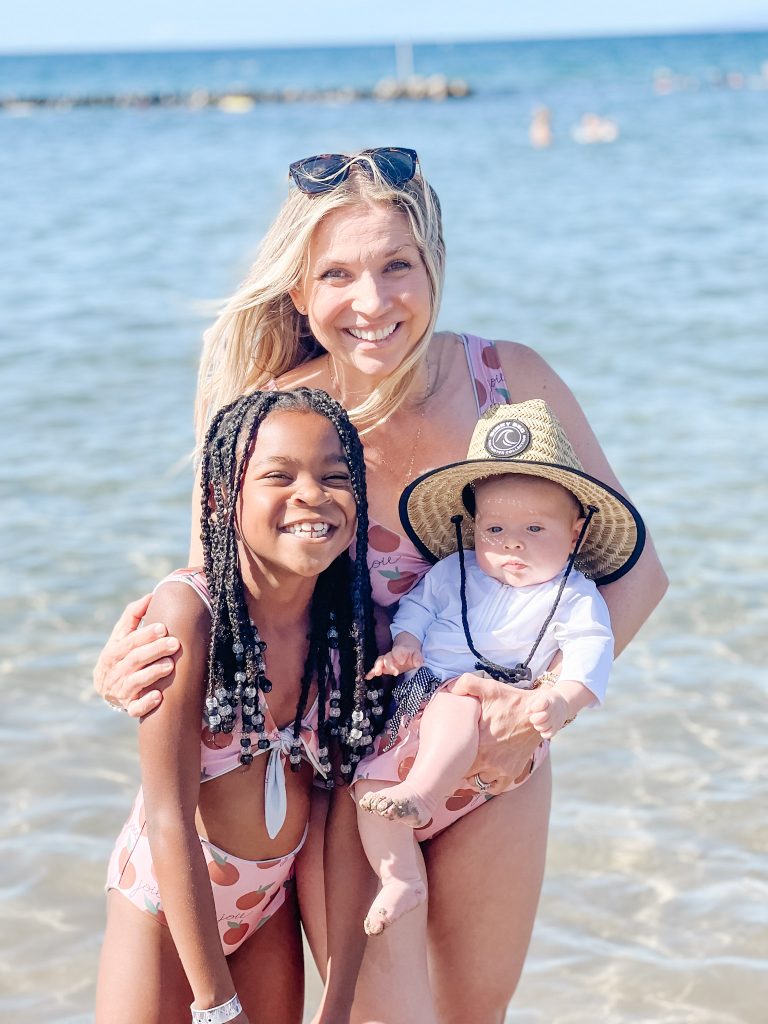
[246, 893]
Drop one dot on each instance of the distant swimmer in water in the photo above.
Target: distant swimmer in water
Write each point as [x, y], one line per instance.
[593, 128]
[540, 130]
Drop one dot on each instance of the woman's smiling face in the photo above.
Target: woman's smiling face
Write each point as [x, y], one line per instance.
[366, 289]
[296, 510]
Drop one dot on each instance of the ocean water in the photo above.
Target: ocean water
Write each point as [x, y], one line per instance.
[638, 269]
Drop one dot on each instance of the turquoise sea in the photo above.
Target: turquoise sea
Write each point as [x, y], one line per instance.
[638, 268]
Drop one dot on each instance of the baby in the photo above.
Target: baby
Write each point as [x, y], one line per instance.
[518, 597]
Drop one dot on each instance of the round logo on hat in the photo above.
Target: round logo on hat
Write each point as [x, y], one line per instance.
[507, 439]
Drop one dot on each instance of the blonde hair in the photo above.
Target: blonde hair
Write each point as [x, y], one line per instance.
[259, 335]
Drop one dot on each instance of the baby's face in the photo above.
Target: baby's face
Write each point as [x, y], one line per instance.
[525, 528]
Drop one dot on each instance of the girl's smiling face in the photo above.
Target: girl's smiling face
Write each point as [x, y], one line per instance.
[365, 288]
[296, 509]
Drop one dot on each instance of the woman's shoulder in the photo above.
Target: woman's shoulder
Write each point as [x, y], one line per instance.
[517, 361]
[520, 357]
[529, 375]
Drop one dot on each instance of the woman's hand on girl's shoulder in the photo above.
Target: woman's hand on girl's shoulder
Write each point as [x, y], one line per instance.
[134, 661]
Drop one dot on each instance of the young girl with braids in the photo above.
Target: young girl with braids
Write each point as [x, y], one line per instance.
[275, 640]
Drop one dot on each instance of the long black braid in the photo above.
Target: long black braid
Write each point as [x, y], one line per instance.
[341, 611]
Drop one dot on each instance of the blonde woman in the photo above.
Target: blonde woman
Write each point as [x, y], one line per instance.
[344, 296]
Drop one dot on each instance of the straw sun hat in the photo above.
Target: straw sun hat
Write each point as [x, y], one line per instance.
[527, 439]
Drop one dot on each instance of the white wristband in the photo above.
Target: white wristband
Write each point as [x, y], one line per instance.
[217, 1014]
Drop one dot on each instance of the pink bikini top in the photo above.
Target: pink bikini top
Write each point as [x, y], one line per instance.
[395, 564]
[220, 752]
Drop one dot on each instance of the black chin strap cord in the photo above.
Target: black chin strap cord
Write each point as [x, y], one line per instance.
[520, 674]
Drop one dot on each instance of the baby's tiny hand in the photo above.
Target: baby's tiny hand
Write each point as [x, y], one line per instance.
[399, 659]
[549, 713]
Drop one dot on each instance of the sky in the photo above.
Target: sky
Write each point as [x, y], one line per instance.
[35, 26]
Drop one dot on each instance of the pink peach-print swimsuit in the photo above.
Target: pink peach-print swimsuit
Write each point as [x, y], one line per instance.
[396, 566]
[246, 893]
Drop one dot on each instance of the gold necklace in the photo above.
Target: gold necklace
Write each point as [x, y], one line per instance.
[417, 437]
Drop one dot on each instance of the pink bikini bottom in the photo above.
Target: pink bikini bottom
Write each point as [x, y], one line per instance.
[246, 892]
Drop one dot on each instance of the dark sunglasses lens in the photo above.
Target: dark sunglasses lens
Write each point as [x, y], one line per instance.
[396, 165]
[319, 173]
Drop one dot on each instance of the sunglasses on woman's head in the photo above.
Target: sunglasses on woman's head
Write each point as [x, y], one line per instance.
[316, 174]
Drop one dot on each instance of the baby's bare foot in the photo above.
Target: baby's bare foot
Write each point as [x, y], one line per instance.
[399, 803]
[395, 899]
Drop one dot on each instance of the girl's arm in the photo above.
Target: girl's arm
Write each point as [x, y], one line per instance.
[169, 744]
[350, 886]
